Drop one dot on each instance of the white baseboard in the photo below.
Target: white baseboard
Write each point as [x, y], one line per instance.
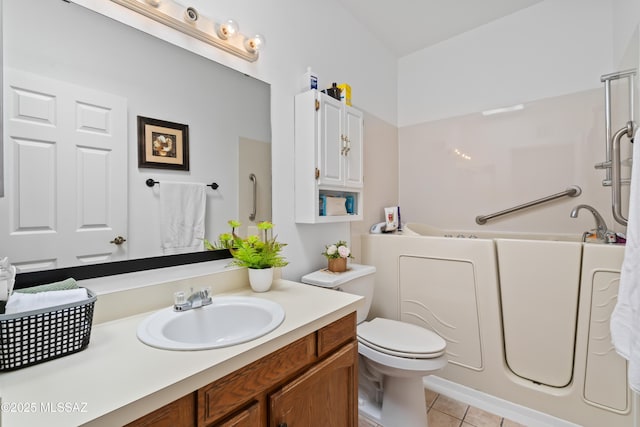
[486, 402]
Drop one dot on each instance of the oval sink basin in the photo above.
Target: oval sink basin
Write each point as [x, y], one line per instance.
[227, 321]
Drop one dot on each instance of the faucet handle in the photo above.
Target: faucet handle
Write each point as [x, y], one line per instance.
[610, 237]
[180, 302]
[205, 295]
[179, 298]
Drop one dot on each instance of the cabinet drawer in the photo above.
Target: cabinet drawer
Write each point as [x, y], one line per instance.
[336, 334]
[249, 417]
[180, 413]
[237, 389]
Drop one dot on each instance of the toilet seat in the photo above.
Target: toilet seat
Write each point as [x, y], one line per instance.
[400, 339]
[400, 367]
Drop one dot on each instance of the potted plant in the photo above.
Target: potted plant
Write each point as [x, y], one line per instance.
[337, 255]
[260, 254]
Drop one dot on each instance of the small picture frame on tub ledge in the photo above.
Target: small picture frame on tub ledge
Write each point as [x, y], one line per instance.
[162, 144]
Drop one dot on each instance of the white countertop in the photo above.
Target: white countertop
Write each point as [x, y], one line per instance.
[118, 379]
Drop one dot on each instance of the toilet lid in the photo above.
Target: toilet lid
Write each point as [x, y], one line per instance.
[401, 339]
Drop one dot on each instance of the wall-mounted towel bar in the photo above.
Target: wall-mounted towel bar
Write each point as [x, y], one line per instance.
[151, 182]
[572, 191]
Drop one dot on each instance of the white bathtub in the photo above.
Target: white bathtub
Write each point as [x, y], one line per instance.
[526, 317]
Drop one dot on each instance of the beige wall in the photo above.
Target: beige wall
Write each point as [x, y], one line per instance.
[455, 169]
[380, 176]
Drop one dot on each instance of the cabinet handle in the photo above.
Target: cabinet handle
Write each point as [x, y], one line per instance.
[282, 425]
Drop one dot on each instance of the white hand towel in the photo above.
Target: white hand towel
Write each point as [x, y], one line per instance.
[625, 319]
[182, 211]
[20, 302]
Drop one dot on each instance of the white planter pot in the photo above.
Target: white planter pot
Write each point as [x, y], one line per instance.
[260, 279]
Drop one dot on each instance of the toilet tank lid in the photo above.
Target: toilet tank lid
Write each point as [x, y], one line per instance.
[329, 279]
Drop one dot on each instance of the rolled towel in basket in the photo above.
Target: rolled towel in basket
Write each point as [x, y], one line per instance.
[20, 302]
[55, 286]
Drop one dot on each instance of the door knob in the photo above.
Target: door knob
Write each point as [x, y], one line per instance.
[118, 240]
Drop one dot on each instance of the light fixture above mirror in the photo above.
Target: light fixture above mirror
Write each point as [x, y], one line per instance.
[224, 35]
[228, 29]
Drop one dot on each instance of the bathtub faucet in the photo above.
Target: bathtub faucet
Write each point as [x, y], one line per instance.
[601, 226]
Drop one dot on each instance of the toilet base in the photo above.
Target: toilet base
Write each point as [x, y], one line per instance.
[403, 403]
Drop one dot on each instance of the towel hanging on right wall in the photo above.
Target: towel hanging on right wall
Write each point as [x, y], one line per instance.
[625, 319]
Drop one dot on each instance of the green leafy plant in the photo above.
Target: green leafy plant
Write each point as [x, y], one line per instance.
[254, 251]
[337, 250]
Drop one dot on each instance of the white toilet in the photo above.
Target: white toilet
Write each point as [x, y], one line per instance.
[394, 356]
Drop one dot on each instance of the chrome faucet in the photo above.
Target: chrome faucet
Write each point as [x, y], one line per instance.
[195, 300]
[601, 226]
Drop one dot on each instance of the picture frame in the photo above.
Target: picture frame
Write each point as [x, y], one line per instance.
[162, 144]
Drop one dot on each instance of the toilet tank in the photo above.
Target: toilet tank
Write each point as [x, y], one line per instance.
[357, 280]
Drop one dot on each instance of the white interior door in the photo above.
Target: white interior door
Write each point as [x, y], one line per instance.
[66, 163]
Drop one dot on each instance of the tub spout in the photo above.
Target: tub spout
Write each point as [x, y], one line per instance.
[601, 226]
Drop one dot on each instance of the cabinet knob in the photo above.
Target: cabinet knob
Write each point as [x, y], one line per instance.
[282, 425]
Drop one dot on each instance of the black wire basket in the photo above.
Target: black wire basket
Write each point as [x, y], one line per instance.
[37, 336]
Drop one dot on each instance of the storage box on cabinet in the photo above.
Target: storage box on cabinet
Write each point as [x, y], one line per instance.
[328, 158]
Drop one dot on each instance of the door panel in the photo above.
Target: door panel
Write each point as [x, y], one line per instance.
[354, 158]
[326, 395]
[330, 142]
[66, 163]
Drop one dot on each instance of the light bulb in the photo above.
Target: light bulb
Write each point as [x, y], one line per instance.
[254, 44]
[191, 15]
[228, 29]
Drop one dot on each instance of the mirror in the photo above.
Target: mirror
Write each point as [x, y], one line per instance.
[115, 74]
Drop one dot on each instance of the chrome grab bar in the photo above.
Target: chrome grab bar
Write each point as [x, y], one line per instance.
[612, 163]
[572, 191]
[607, 79]
[616, 203]
[254, 180]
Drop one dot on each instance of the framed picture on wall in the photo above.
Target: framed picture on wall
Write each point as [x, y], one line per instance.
[162, 144]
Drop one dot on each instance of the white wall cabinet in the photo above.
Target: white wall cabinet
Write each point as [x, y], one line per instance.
[328, 158]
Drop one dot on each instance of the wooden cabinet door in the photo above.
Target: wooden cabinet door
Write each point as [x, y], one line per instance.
[326, 395]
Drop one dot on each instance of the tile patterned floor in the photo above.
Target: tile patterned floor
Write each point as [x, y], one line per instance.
[443, 411]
